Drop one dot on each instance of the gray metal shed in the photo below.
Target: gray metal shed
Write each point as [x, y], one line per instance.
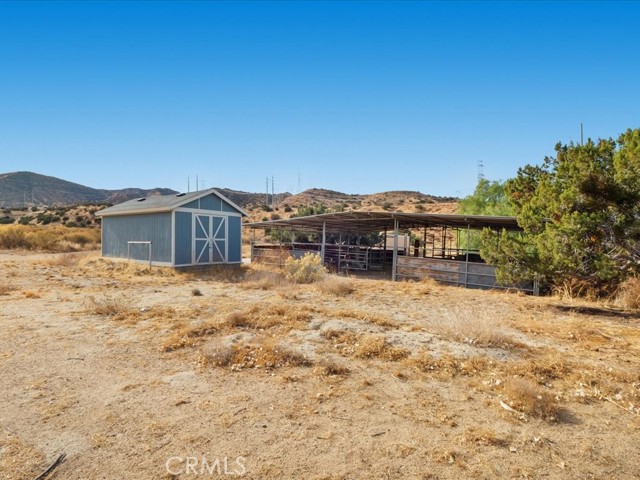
[185, 229]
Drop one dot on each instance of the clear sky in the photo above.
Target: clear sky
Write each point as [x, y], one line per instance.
[358, 97]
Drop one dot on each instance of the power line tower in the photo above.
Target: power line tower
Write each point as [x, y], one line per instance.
[480, 171]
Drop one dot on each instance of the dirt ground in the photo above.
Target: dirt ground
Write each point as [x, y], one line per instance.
[138, 374]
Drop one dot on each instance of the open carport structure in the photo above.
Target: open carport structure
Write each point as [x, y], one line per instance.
[434, 250]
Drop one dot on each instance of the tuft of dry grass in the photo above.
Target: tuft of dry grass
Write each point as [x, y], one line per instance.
[260, 353]
[478, 328]
[109, 306]
[262, 317]
[185, 336]
[63, 260]
[330, 368]
[373, 346]
[196, 292]
[628, 294]
[19, 460]
[483, 436]
[6, 289]
[333, 285]
[262, 278]
[527, 397]
[449, 366]
[31, 294]
[368, 317]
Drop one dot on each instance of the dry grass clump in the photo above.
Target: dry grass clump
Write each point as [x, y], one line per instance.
[332, 285]
[366, 317]
[63, 260]
[262, 317]
[118, 268]
[260, 353]
[373, 346]
[19, 460]
[449, 366]
[543, 369]
[527, 397]
[31, 294]
[109, 306]
[196, 292]
[484, 436]
[330, 368]
[476, 328]
[308, 269]
[628, 294]
[261, 278]
[185, 336]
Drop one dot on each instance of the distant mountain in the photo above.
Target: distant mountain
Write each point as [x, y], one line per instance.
[26, 189]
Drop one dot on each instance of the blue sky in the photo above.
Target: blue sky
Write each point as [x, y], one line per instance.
[358, 97]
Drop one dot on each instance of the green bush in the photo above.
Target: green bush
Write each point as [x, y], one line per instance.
[307, 269]
[7, 220]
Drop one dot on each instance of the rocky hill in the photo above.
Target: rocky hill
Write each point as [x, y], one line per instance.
[27, 189]
[30, 198]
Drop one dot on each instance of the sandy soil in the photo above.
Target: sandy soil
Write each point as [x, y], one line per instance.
[144, 375]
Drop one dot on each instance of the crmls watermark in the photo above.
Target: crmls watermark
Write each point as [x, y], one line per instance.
[206, 466]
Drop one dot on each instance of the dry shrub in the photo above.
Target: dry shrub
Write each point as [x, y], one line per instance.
[108, 306]
[372, 346]
[527, 397]
[31, 294]
[196, 292]
[308, 269]
[449, 366]
[628, 294]
[478, 328]
[337, 286]
[260, 353]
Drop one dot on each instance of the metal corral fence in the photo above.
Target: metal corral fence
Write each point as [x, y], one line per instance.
[454, 272]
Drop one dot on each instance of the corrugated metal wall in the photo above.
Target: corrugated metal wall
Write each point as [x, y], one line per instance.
[154, 227]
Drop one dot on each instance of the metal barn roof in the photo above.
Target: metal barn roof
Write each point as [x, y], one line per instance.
[360, 222]
[162, 203]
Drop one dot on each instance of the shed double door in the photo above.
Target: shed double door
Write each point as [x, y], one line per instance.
[209, 239]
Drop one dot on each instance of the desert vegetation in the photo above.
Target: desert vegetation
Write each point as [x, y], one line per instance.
[50, 239]
[354, 375]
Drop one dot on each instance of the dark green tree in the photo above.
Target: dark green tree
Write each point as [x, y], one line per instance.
[580, 212]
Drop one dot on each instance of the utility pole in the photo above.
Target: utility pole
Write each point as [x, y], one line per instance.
[273, 193]
[581, 134]
[480, 171]
[266, 200]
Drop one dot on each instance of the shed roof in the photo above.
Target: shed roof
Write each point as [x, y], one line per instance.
[360, 222]
[162, 203]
